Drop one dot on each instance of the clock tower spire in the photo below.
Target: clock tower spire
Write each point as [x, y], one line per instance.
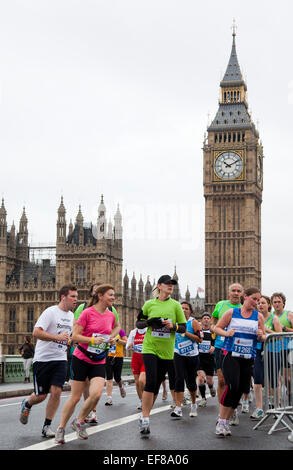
[233, 160]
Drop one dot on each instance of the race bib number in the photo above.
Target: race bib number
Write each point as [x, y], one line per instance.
[112, 349]
[204, 346]
[137, 348]
[186, 348]
[242, 348]
[99, 348]
[162, 332]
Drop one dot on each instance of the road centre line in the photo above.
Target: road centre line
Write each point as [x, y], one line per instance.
[93, 430]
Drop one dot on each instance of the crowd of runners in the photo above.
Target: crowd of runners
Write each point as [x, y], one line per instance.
[88, 345]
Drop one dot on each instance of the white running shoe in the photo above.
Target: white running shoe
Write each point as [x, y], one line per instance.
[92, 418]
[257, 414]
[245, 406]
[47, 432]
[139, 406]
[144, 426]
[109, 401]
[193, 410]
[203, 402]
[80, 429]
[176, 413]
[220, 430]
[60, 436]
[234, 420]
[227, 429]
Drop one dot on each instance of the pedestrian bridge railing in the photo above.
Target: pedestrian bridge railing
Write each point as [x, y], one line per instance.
[278, 381]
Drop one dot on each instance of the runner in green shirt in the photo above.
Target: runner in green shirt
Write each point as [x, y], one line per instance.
[163, 316]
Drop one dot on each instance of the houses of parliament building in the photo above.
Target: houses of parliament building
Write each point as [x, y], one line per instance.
[84, 254]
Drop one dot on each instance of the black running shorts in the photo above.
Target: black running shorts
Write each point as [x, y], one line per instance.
[47, 374]
[81, 370]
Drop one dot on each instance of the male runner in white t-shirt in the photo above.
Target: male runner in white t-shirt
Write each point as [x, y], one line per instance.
[52, 330]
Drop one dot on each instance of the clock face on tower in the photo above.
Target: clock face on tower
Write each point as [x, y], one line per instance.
[228, 165]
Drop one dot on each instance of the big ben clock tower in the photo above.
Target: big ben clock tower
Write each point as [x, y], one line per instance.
[233, 183]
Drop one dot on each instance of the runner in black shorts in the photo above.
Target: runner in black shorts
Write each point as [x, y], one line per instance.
[207, 362]
[52, 331]
[95, 329]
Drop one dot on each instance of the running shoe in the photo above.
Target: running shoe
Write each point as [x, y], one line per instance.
[186, 399]
[173, 405]
[220, 430]
[257, 414]
[203, 402]
[92, 418]
[164, 396]
[227, 429]
[24, 412]
[47, 432]
[109, 401]
[176, 413]
[80, 429]
[144, 426]
[193, 410]
[139, 406]
[234, 420]
[245, 406]
[60, 436]
[122, 391]
[212, 392]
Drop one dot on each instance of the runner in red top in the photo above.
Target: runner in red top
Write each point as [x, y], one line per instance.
[134, 342]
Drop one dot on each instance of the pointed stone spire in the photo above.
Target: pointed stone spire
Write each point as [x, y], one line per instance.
[61, 209]
[133, 287]
[79, 217]
[125, 285]
[118, 224]
[23, 230]
[110, 230]
[233, 113]
[102, 221]
[70, 227]
[79, 223]
[61, 223]
[3, 222]
[3, 212]
[148, 289]
[187, 295]
[233, 75]
[176, 293]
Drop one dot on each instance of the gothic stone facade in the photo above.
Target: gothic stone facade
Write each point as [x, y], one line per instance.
[84, 254]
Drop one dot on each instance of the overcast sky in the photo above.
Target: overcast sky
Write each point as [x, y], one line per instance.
[113, 97]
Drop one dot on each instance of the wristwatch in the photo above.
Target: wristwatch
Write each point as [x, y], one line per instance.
[284, 328]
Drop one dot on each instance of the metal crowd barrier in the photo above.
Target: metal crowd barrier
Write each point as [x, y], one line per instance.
[278, 381]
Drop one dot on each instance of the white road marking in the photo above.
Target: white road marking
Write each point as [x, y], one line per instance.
[93, 430]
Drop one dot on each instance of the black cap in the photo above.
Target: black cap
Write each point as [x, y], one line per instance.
[166, 279]
[206, 314]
